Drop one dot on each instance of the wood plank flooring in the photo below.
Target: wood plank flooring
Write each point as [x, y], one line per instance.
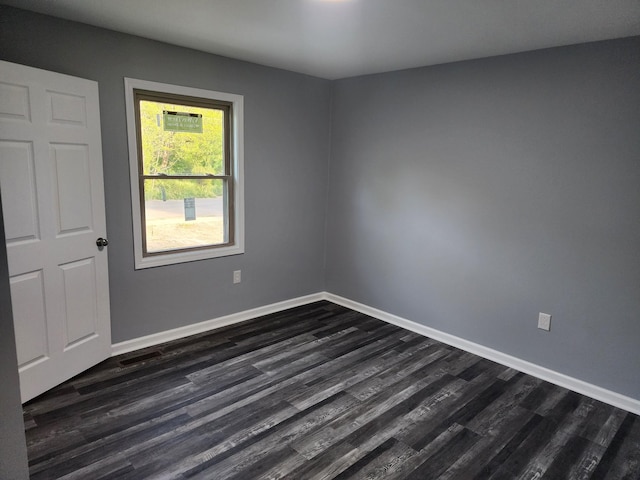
[321, 392]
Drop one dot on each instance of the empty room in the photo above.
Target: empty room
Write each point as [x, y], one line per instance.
[320, 239]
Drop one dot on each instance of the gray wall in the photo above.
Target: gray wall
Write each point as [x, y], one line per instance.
[286, 152]
[13, 447]
[471, 196]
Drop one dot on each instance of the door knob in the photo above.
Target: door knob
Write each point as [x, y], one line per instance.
[102, 242]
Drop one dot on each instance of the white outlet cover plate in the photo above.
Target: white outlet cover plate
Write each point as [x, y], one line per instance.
[544, 321]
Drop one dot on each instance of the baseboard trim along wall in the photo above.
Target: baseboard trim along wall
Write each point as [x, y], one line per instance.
[579, 386]
[201, 327]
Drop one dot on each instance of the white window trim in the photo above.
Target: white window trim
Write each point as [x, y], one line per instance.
[170, 258]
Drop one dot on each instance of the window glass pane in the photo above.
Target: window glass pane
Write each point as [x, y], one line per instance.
[183, 214]
[181, 140]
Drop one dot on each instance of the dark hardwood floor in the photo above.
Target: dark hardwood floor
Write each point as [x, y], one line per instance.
[321, 392]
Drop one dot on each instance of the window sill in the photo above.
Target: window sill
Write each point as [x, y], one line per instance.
[187, 256]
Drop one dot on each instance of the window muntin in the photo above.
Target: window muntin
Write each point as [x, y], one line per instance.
[186, 173]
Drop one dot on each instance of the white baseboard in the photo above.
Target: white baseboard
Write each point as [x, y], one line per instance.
[580, 386]
[181, 332]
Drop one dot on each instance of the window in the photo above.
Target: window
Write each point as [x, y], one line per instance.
[185, 155]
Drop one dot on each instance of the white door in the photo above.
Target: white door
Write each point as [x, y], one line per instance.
[53, 204]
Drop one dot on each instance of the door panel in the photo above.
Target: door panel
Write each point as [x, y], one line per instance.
[72, 188]
[80, 300]
[27, 298]
[17, 167]
[53, 201]
[14, 102]
[67, 109]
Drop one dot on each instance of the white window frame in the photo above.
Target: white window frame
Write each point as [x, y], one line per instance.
[237, 160]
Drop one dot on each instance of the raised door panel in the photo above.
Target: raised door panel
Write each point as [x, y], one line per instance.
[67, 109]
[72, 188]
[79, 280]
[18, 185]
[14, 102]
[29, 314]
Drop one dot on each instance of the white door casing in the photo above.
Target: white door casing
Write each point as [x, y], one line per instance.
[53, 204]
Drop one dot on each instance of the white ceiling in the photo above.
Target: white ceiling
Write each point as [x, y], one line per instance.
[342, 38]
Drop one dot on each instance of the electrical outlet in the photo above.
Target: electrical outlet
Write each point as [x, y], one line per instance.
[544, 321]
[237, 276]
